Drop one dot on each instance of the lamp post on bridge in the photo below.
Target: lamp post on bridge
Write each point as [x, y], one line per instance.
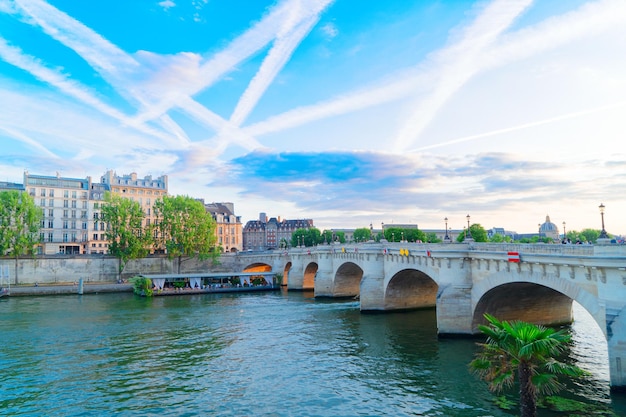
[603, 234]
[564, 232]
[468, 234]
[447, 237]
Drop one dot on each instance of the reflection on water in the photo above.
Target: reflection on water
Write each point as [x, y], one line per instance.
[272, 354]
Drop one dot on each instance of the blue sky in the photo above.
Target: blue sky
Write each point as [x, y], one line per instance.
[349, 112]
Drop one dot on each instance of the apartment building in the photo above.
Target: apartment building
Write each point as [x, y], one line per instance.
[264, 234]
[65, 203]
[228, 227]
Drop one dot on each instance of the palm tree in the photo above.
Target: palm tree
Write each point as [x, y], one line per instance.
[525, 348]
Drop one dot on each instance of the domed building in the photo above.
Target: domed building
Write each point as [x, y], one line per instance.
[549, 229]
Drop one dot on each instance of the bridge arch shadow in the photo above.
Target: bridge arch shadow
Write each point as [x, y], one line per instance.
[347, 282]
[308, 282]
[258, 267]
[410, 289]
[286, 270]
[536, 303]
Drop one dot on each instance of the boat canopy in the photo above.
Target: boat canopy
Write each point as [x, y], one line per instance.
[195, 279]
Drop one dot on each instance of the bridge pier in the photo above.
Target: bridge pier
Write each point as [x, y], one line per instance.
[616, 343]
[324, 277]
[372, 291]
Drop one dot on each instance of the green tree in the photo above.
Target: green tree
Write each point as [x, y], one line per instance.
[527, 350]
[589, 235]
[20, 220]
[125, 232]
[185, 229]
[362, 234]
[432, 238]
[497, 238]
[478, 233]
[309, 237]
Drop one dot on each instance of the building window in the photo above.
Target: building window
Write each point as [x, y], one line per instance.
[65, 212]
[73, 203]
[73, 194]
[83, 214]
[51, 192]
[50, 235]
[32, 192]
[64, 237]
[85, 204]
[84, 225]
[43, 224]
[95, 236]
[43, 192]
[42, 203]
[95, 216]
[66, 193]
[65, 224]
[51, 202]
[73, 224]
[66, 203]
[73, 214]
[50, 224]
[102, 226]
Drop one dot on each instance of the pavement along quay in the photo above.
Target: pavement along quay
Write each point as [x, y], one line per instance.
[68, 288]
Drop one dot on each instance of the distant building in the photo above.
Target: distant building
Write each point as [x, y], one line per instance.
[264, 234]
[146, 191]
[65, 225]
[549, 229]
[11, 186]
[228, 227]
[502, 232]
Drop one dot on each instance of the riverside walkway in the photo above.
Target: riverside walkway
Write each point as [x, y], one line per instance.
[68, 288]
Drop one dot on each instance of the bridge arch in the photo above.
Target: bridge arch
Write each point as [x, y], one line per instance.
[540, 301]
[258, 267]
[310, 271]
[410, 289]
[286, 270]
[347, 280]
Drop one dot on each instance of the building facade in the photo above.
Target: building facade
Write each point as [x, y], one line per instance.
[228, 227]
[273, 233]
[146, 191]
[65, 203]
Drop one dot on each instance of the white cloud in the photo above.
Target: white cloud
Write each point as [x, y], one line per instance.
[167, 4]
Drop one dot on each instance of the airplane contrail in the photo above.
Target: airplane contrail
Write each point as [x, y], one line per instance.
[520, 127]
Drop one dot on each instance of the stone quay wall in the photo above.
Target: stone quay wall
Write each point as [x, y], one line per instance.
[53, 269]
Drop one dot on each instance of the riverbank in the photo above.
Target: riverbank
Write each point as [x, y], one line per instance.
[68, 288]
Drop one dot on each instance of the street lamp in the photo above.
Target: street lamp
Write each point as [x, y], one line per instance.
[446, 237]
[564, 232]
[468, 224]
[393, 237]
[603, 234]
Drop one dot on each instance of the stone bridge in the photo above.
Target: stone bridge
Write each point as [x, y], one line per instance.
[531, 282]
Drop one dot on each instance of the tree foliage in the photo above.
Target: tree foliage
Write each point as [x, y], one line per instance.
[125, 232]
[362, 234]
[20, 221]
[328, 236]
[527, 350]
[185, 228]
[478, 233]
[398, 234]
[311, 237]
[432, 238]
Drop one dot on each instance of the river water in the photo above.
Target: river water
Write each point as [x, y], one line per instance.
[262, 354]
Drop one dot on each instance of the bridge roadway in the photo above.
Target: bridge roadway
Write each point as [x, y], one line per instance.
[464, 281]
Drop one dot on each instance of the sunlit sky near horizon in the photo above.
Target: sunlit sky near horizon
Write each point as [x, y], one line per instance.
[348, 112]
